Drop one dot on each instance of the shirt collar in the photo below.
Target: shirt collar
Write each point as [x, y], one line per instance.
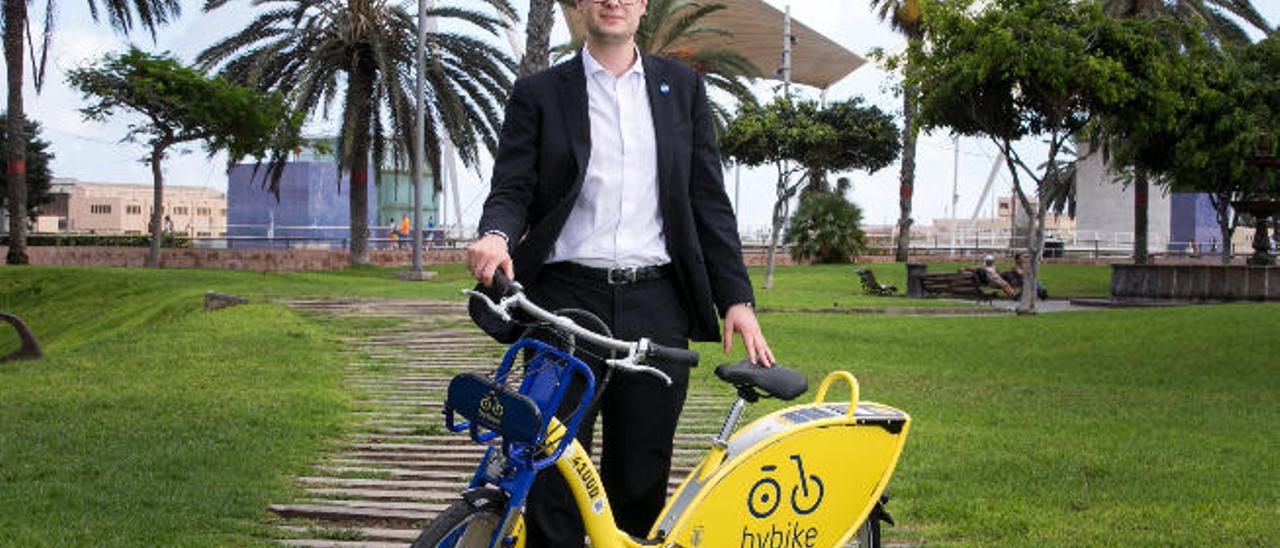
[591, 66]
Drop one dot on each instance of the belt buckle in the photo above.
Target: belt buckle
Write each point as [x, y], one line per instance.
[626, 275]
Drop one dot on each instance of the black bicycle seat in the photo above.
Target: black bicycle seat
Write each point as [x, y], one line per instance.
[776, 382]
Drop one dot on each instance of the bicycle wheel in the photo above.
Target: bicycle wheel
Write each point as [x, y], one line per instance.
[463, 525]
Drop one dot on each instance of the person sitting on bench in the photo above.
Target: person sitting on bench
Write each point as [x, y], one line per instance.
[988, 275]
[1019, 271]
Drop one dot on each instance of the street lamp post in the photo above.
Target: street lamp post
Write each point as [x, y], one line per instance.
[419, 149]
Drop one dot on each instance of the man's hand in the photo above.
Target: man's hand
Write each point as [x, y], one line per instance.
[741, 318]
[487, 255]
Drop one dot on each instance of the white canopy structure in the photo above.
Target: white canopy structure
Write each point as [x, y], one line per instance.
[757, 30]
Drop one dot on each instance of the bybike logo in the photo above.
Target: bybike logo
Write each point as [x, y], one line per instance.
[764, 499]
[491, 408]
[589, 481]
[793, 535]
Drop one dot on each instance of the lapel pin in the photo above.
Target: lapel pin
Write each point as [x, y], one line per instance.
[664, 88]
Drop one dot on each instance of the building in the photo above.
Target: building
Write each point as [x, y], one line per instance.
[1176, 222]
[395, 198]
[313, 207]
[108, 208]
[1009, 228]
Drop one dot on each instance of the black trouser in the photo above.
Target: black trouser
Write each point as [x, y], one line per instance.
[640, 412]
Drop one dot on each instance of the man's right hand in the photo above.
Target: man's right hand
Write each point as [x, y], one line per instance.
[488, 254]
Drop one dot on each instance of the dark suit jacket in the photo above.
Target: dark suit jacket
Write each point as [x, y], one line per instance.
[542, 160]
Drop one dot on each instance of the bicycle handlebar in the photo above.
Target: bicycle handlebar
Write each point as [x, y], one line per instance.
[511, 295]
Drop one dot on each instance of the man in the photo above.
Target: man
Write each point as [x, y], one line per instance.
[404, 238]
[1018, 273]
[393, 232]
[988, 275]
[607, 196]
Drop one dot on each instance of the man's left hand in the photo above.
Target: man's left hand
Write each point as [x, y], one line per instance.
[742, 319]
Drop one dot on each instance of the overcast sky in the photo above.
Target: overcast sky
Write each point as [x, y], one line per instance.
[93, 151]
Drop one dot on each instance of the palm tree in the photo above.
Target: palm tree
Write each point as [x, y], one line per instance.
[1208, 15]
[314, 50]
[537, 48]
[666, 29]
[904, 17]
[121, 14]
[669, 27]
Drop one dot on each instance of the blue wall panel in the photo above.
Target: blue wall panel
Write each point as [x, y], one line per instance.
[1192, 219]
[313, 209]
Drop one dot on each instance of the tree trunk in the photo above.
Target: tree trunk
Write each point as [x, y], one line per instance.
[907, 176]
[15, 153]
[157, 205]
[779, 217]
[537, 45]
[1141, 188]
[1036, 249]
[359, 93]
[1222, 207]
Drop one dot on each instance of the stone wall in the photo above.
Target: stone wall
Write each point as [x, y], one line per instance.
[1195, 282]
[275, 260]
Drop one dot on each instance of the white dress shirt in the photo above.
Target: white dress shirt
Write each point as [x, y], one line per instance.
[615, 221]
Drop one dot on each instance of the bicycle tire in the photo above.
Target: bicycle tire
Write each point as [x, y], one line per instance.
[462, 525]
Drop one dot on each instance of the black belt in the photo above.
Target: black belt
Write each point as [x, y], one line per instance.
[613, 276]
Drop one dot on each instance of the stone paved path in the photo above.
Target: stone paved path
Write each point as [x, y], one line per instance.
[399, 467]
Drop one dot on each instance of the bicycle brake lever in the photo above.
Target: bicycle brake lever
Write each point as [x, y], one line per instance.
[627, 364]
[499, 308]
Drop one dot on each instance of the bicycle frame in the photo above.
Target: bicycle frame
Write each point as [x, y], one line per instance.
[783, 478]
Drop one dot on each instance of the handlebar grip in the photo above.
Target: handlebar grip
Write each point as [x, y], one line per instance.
[673, 356]
[502, 285]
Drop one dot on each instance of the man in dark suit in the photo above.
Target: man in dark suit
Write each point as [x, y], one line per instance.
[607, 196]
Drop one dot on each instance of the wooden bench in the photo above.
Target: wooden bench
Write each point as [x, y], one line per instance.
[870, 286]
[963, 284]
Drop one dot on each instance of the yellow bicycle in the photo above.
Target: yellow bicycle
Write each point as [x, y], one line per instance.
[810, 475]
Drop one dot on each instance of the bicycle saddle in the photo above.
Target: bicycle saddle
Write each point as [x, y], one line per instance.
[776, 382]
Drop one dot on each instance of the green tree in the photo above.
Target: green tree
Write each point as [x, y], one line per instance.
[363, 51]
[1209, 17]
[177, 105]
[38, 172]
[1235, 110]
[121, 14]
[1023, 68]
[904, 17]
[826, 229]
[799, 139]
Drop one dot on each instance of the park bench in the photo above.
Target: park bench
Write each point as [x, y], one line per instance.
[870, 286]
[964, 283]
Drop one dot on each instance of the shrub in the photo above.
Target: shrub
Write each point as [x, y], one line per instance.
[825, 229]
[105, 240]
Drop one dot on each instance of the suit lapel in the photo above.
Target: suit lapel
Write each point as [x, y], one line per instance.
[661, 110]
[573, 103]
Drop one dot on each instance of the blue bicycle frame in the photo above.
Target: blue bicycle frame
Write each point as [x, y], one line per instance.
[520, 418]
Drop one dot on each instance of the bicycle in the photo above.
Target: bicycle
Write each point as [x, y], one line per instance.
[783, 481]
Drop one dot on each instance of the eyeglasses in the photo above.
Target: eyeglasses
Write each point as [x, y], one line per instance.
[622, 2]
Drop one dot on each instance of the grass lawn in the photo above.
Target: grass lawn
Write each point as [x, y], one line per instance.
[826, 286]
[152, 423]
